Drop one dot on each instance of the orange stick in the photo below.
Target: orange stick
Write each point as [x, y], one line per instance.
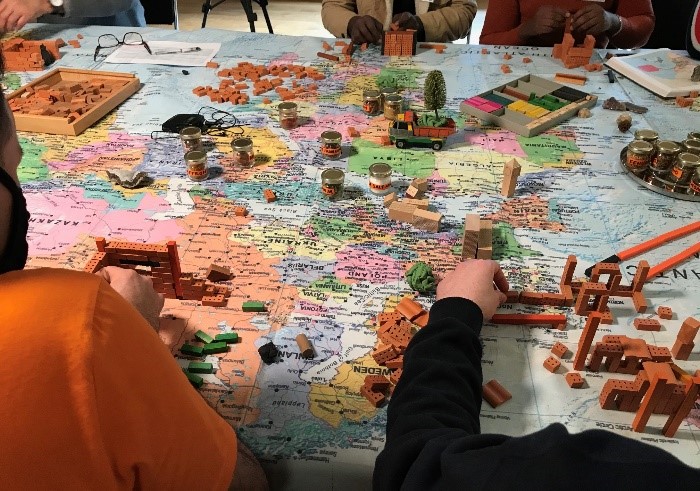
[658, 241]
[527, 319]
[673, 261]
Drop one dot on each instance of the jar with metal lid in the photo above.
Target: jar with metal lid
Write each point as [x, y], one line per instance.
[639, 155]
[380, 178]
[393, 106]
[370, 104]
[694, 185]
[288, 112]
[694, 135]
[666, 153]
[243, 155]
[650, 136]
[191, 138]
[685, 166]
[692, 146]
[330, 144]
[332, 183]
[385, 91]
[196, 161]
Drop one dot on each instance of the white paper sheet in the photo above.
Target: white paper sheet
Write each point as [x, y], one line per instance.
[166, 53]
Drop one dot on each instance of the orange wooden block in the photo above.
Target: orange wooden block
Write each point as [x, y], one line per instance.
[495, 394]
[665, 312]
[574, 379]
[527, 60]
[559, 349]
[409, 309]
[552, 364]
[212, 64]
[269, 195]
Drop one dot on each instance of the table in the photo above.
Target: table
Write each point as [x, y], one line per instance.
[326, 268]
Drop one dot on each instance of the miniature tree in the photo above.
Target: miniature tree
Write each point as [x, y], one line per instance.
[435, 92]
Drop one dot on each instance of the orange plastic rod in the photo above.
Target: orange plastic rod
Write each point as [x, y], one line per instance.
[657, 241]
[523, 319]
[673, 261]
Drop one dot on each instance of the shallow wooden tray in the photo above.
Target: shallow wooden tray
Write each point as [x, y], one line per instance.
[59, 125]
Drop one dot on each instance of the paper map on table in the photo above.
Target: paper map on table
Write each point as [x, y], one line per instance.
[327, 268]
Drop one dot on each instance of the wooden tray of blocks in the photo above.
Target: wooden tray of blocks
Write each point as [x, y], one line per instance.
[66, 101]
[529, 105]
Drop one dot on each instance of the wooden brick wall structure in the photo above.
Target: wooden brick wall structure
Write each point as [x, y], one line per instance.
[162, 264]
[399, 43]
[23, 56]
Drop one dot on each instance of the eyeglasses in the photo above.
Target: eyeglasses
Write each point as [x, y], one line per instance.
[111, 41]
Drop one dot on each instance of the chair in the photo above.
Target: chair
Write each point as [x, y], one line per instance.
[161, 12]
[247, 8]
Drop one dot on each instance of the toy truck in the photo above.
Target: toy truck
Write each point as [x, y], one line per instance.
[405, 132]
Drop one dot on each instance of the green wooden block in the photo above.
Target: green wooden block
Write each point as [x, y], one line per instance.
[188, 349]
[195, 380]
[203, 336]
[200, 367]
[217, 347]
[254, 306]
[229, 337]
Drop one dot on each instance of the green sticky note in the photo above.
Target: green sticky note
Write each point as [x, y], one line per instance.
[216, 347]
[200, 367]
[228, 337]
[203, 336]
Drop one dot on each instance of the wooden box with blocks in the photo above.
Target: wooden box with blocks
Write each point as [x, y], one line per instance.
[66, 101]
[529, 105]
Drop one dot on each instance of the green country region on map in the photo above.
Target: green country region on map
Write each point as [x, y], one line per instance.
[324, 288]
[336, 229]
[410, 163]
[12, 81]
[549, 150]
[401, 78]
[504, 243]
[33, 167]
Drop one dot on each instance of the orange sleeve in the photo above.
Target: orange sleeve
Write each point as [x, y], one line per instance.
[501, 23]
[638, 22]
[93, 399]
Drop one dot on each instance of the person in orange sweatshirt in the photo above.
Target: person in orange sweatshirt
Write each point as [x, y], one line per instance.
[90, 397]
[619, 23]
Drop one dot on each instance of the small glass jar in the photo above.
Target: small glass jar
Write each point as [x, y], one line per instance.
[370, 103]
[666, 153]
[650, 136]
[385, 91]
[288, 112]
[191, 138]
[692, 146]
[694, 185]
[685, 166]
[330, 144]
[380, 178]
[639, 155]
[243, 155]
[393, 106]
[196, 161]
[332, 181]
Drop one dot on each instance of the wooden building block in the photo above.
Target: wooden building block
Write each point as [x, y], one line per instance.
[377, 383]
[401, 212]
[511, 172]
[305, 346]
[574, 379]
[485, 241]
[389, 199]
[409, 308]
[495, 394]
[664, 312]
[559, 349]
[374, 398]
[269, 195]
[470, 237]
[647, 324]
[383, 354]
[426, 220]
[218, 273]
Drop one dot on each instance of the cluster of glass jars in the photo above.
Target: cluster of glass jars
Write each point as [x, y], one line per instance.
[664, 163]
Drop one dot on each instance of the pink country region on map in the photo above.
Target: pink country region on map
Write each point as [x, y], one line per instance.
[505, 142]
[340, 122]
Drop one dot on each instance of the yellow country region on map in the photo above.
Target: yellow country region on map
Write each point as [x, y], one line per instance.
[278, 240]
[58, 146]
[267, 146]
[476, 169]
[341, 398]
[352, 94]
[232, 391]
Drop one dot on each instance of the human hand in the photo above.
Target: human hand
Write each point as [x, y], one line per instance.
[474, 280]
[548, 19]
[14, 14]
[136, 289]
[406, 21]
[365, 29]
[592, 19]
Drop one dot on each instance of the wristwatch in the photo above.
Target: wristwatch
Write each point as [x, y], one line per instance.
[57, 7]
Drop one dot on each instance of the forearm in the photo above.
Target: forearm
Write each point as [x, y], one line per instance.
[91, 8]
[635, 31]
[449, 23]
[439, 392]
[335, 15]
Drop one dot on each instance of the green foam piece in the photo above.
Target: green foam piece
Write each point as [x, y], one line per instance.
[188, 349]
[228, 337]
[203, 336]
[200, 367]
[420, 277]
[195, 380]
[216, 347]
[254, 306]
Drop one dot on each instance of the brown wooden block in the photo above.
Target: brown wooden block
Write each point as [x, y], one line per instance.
[664, 312]
[218, 273]
[401, 212]
[647, 324]
[409, 308]
[383, 354]
[374, 398]
[470, 237]
[559, 349]
[552, 364]
[495, 394]
[426, 220]
[574, 379]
